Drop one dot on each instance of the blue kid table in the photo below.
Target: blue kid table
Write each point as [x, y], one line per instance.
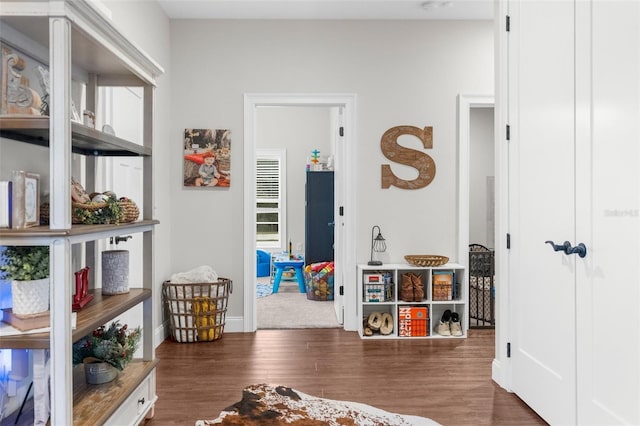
[283, 263]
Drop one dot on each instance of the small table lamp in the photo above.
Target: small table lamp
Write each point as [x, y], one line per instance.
[377, 244]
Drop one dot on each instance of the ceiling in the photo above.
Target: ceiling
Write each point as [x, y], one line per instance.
[328, 9]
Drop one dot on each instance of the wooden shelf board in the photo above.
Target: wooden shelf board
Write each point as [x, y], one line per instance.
[44, 231]
[84, 140]
[98, 312]
[94, 404]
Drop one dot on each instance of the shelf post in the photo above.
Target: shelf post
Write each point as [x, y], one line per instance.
[60, 218]
[60, 123]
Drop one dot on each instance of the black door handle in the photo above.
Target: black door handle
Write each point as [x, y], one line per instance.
[580, 249]
[122, 239]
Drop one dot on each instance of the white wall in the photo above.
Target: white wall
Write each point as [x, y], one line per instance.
[299, 130]
[403, 72]
[481, 166]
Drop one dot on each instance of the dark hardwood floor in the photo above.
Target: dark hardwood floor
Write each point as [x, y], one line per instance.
[448, 381]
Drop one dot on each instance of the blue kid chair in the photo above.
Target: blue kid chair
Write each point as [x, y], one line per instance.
[263, 263]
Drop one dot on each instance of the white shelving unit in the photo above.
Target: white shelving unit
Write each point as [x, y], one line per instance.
[392, 303]
[78, 39]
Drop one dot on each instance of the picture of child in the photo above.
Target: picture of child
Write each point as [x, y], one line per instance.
[208, 173]
[207, 158]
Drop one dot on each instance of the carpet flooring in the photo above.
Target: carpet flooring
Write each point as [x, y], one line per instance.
[289, 309]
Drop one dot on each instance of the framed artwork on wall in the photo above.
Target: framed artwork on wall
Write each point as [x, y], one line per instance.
[207, 158]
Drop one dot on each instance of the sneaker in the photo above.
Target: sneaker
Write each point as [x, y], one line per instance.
[443, 328]
[454, 326]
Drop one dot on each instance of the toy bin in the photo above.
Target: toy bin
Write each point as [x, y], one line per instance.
[318, 279]
[197, 310]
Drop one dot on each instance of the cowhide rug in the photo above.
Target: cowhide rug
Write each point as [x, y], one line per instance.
[280, 405]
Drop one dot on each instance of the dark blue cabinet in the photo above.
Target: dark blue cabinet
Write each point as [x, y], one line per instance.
[319, 220]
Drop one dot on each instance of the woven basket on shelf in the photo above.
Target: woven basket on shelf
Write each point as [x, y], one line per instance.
[426, 259]
[44, 211]
[85, 206]
[130, 211]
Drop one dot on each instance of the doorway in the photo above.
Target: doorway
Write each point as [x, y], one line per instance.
[481, 274]
[344, 294]
[294, 212]
[476, 145]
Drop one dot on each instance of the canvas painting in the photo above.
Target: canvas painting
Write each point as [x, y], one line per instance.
[207, 158]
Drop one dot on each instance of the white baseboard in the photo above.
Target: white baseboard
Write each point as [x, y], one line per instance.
[499, 375]
[161, 333]
[234, 325]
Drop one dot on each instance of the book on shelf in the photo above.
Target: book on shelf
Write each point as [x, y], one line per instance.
[6, 203]
[442, 285]
[413, 321]
[454, 286]
[10, 325]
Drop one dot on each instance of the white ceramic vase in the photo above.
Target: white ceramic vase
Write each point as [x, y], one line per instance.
[30, 297]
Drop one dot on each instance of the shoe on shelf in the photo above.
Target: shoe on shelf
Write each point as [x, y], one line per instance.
[454, 325]
[375, 321]
[386, 327]
[443, 328]
[406, 291]
[365, 327]
[418, 287]
[446, 316]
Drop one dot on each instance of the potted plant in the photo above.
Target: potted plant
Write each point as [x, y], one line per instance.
[28, 269]
[106, 351]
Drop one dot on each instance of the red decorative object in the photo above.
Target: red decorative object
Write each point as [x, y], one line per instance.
[82, 296]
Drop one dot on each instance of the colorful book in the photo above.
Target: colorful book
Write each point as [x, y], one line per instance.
[442, 285]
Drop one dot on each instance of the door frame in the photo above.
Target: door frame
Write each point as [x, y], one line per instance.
[500, 374]
[501, 366]
[345, 154]
[465, 104]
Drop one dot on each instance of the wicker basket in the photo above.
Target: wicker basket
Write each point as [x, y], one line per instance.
[197, 310]
[85, 206]
[130, 211]
[426, 259]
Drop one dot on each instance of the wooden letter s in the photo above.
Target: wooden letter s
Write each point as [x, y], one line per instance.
[419, 160]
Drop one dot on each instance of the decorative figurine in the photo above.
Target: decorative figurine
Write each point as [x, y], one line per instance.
[82, 296]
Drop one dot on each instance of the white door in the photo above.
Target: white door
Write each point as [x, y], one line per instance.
[574, 104]
[541, 75]
[608, 213]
